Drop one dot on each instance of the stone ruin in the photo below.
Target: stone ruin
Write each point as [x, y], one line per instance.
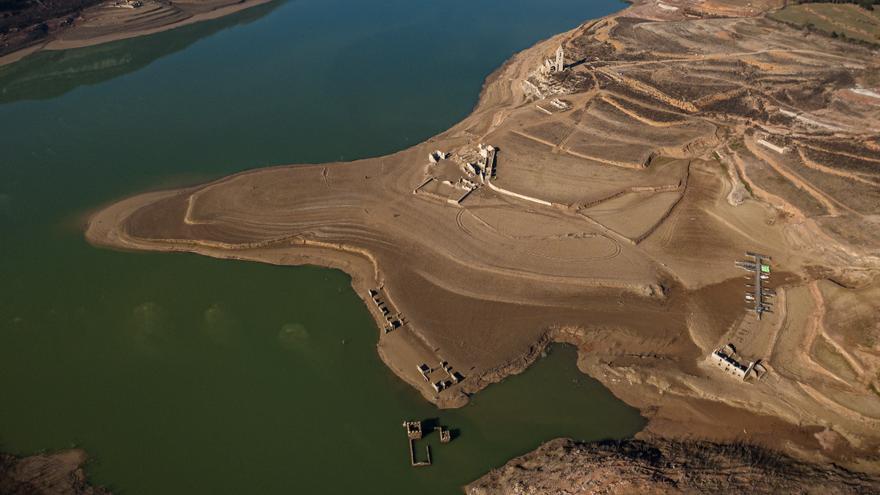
[554, 65]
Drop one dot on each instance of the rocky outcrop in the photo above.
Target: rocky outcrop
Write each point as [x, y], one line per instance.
[563, 466]
[60, 473]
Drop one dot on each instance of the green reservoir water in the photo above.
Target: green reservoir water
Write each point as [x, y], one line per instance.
[183, 374]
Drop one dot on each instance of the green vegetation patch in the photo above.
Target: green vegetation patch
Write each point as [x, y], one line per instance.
[836, 19]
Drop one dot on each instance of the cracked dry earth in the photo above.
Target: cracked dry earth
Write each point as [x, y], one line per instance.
[613, 221]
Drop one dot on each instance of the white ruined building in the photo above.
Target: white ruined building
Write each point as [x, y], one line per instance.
[485, 149]
[556, 102]
[129, 4]
[725, 360]
[437, 155]
[552, 66]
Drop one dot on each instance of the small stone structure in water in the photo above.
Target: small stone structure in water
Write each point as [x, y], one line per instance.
[414, 431]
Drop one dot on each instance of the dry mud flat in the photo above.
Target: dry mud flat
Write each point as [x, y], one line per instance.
[609, 213]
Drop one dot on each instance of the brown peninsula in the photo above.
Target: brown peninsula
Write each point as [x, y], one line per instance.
[602, 202]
